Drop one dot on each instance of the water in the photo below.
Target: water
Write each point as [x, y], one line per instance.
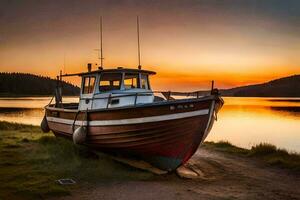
[26, 110]
[249, 121]
[242, 121]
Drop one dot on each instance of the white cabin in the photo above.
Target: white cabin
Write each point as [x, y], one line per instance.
[111, 88]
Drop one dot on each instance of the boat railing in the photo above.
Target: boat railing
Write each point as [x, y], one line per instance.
[116, 95]
[166, 94]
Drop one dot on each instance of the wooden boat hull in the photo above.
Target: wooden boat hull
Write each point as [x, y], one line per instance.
[164, 134]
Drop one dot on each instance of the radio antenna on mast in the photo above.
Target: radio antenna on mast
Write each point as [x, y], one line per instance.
[138, 38]
[100, 50]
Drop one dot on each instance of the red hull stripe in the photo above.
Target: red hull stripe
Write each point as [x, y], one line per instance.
[132, 120]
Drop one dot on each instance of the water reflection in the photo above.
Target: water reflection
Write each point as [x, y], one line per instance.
[22, 115]
[242, 121]
[31, 102]
[249, 121]
[26, 110]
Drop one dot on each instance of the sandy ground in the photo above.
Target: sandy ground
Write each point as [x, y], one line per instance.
[226, 176]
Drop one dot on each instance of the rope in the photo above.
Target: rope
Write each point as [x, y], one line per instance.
[75, 120]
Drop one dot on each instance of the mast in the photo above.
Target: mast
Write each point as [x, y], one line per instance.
[138, 38]
[101, 49]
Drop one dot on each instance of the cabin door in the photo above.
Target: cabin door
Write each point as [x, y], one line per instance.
[87, 93]
[86, 102]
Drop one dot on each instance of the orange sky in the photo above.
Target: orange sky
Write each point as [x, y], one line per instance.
[188, 43]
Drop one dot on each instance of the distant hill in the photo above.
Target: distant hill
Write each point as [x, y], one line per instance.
[21, 84]
[283, 87]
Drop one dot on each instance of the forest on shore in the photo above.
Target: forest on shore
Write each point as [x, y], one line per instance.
[23, 84]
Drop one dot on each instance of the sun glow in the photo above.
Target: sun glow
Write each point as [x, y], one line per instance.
[187, 44]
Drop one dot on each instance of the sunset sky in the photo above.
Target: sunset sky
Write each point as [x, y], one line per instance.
[188, 43]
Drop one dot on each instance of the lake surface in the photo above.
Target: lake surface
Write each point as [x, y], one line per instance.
[242, 121]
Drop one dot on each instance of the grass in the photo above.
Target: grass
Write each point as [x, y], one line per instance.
[267, 152]
[225, 146]
[7, 126]
[276, 156]
[32, 161]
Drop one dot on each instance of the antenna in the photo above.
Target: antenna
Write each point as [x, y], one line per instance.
[138, 38]
[100, 50]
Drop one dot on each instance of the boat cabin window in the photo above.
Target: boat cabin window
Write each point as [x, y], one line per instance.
[131, 81]
[88, 84]
[110, 81]
[144, 81]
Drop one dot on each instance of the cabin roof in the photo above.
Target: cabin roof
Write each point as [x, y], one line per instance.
[116, 70]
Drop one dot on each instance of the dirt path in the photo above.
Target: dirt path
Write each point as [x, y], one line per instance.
[226, 177]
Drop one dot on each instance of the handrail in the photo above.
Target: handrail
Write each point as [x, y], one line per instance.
[195, 93]
[167, 95]
[136, 94]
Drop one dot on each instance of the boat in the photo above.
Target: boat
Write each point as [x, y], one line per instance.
[119, 113]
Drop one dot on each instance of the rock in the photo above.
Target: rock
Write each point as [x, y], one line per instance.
[186, 172]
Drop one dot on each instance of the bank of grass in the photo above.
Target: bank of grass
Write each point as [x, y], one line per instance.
[264, 151]
[7, 126]
[225, 146]
[32, 161]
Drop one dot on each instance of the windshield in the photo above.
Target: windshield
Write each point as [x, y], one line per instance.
[110, 81]
[131, 81]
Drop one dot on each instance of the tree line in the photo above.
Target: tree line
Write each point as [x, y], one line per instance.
[25, 84]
